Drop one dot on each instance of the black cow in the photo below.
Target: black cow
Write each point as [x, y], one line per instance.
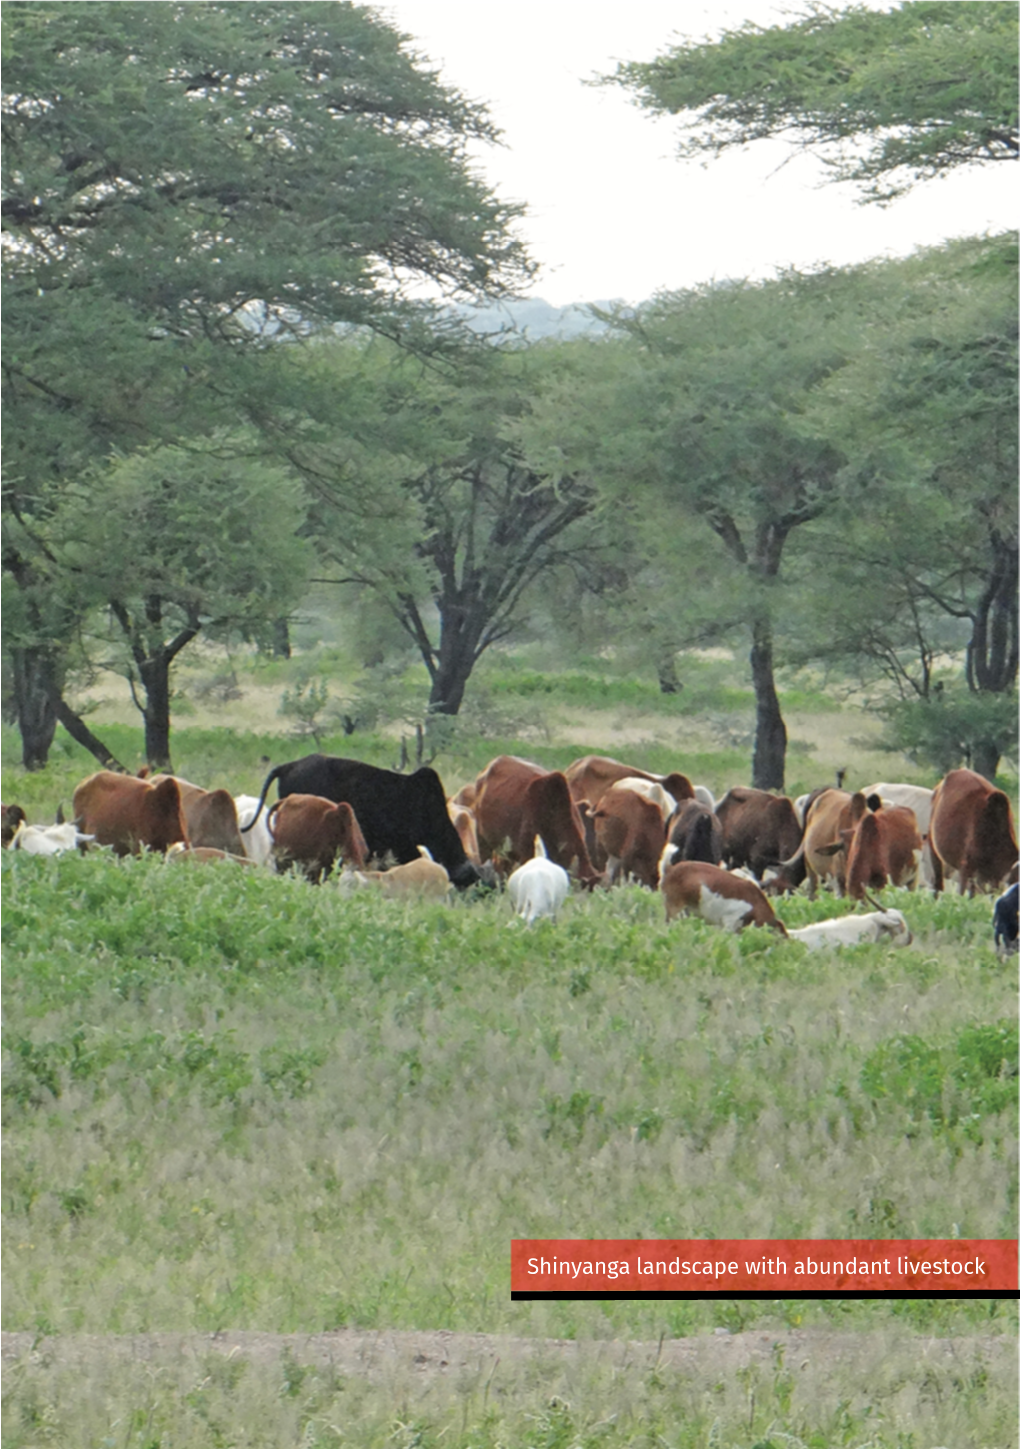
[397, 813]
[1004, 921]
[694, 833]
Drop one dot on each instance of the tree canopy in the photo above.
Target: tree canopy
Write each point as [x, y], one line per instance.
[185, 187]
[888, 98]
[420, 493]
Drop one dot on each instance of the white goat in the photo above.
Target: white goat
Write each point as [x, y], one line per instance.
[538, 887]
[48, 839]
[889, 927]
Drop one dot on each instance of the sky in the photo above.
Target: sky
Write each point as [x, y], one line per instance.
[612, 215]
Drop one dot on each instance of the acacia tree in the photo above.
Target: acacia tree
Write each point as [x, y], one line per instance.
[927, 414]
[420, 492]
[229, 560]
[695, 419]
[184, 186]
[888, 98]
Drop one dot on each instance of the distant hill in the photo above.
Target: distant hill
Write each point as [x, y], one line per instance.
[534, 318]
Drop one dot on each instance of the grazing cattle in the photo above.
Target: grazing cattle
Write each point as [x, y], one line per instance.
[47, 839]
[630, 830]
[884, 849]
[130, 814]
[516, 801]
[464, 823]
[1004, 921]
[694, 834]
[590, 777]
[760, 831]
[914, 797]
[887, 927]
[465, 797]
[422, 877]
[11, 816]
[971, 834]
[396, 812]
[210, 815]
[649, 790]
[205, 855]
[311, 832]
[255, 838]
[538, 887]
[824, 847]
[717, 896]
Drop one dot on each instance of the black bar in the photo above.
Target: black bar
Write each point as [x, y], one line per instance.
[524, 1296]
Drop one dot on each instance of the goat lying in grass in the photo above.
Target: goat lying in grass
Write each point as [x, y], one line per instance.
[888, 927]
[424, 877]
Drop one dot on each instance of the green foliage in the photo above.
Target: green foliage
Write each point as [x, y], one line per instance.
[967, 1081]
[190, 184]
[953, 728]
[421, 495]
[891, 97]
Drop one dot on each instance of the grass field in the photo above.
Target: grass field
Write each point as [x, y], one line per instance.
[237, 1104]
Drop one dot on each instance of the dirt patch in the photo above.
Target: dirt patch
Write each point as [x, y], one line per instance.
[378, 1355]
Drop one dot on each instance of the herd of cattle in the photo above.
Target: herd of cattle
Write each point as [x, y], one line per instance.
[598, 821]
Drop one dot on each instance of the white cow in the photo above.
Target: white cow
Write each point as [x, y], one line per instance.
[47, 839]
[258, 843]
[887, 927]
[915, 797]
[704, 794]
[538, 887]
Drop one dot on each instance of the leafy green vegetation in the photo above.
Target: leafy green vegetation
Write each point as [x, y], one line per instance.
[228, 1074]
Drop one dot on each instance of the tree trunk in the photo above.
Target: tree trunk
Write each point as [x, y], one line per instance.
[460, 628]
[447, 693]
[35, 681]
[281, 638]
[155, 674]
[669, 683]
[79, 730]
[985, 758]
[768, 765]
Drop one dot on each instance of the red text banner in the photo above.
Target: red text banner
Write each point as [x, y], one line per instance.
[773, 1266]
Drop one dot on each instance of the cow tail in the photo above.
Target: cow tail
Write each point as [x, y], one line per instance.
[273, 775]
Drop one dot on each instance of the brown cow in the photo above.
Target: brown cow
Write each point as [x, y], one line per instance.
[761, 831]
[972, 834]
[130, 814]
[824, 847]
[884, 849]
[210, 815]
[464, 824]
[631, 831]
[717, 896]
[515, 801]
[589, 779]
[311, 832]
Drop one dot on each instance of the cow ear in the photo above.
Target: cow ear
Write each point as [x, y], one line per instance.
[60, 814]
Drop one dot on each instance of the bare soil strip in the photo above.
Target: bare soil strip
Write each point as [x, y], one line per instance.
[374, 1355]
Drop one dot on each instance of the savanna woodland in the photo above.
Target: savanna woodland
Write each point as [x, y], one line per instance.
[266, 491]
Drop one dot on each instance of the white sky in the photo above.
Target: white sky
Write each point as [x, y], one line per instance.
[611, 213]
